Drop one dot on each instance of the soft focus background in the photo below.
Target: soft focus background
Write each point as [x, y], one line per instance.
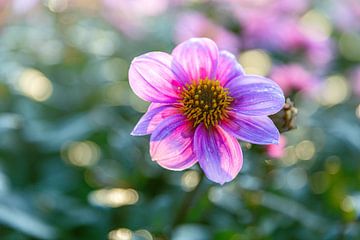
[70, 170]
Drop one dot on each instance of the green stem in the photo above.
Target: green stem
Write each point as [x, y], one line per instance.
[186, 204]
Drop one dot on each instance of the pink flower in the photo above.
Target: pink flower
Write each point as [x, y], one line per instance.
[277, 150]
[17, 7]
[293, 77]
[275, 25]
[292, 38]
[201, 102]
[289, 37]
[22, 7]
[345, 14]
[131, 16]
[194, 24]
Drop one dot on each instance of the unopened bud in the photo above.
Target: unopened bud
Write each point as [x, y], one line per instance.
[285, 119]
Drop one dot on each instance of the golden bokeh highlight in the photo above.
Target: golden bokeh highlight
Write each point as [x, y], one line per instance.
[316, 25]
[332, 164]
[82, 154]
[189, 180]
[347, 204]
[305, 150]
[57, 5]
[114, 197]
[357, 111]
[334, 91]
[34, 84]
[120, 234]
[144, 234]
[290, 157]
[256, 61]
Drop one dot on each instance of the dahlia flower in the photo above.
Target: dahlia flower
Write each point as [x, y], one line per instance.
[201, 103]
[194, 24]
[294, 77]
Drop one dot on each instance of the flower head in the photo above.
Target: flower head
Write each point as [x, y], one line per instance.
[194, 24]
[294, 77]
[201, 102]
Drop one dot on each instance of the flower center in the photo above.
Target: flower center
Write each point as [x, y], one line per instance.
[205, 101]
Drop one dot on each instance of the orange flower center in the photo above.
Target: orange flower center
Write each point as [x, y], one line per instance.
[206, 101]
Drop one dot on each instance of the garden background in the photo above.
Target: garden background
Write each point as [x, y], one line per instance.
[70, 170]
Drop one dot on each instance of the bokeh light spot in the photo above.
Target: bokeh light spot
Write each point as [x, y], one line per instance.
[57, 5]
[114, 197]
[357, 111]
[332, 164]
[255, 61]
[347, 204]
[316, 25]
[120, 234]
[81, 154]
[290, 157]
[335, 90]
[144, 234]
[189, 180]
[305, 150]
[34, 84]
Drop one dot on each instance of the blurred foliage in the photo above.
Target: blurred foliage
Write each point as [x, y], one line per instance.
[70, 170]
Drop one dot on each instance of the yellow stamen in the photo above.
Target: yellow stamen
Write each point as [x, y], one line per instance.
[205, 102]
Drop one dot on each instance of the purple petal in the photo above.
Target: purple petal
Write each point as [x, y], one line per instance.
[228, 68]
[258, 130]
[171, 144]
[156, 77]
[218, 152]
[199, 57]
[255, 96]
[150, 120]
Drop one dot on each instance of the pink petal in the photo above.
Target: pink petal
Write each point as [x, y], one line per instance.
[155, 115]
[171, 144]
[218, 152]
[255, 95]
[253, 129]
[156, 77]
[199, 57]
[180, 162]
[228, 68]
[277, 150]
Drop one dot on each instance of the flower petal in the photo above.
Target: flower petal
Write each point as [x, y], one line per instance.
[199, 57]
[150, 120]
[156, 77]
[255, 96]
[253, 129]
[180, 162]
[171, 144]
[228, 68]
[218, 152]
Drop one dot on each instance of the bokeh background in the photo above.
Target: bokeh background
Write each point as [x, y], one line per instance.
[70, 170]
